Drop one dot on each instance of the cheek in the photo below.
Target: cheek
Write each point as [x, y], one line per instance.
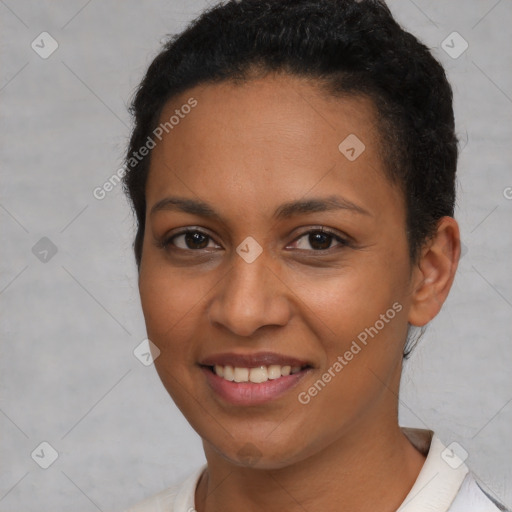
[169, 300]
[361, 314]
[354, 296]
[170, 303]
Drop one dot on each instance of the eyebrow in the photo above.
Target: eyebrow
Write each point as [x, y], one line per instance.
[285, 211]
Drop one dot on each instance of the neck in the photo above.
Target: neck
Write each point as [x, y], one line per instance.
[372, 463]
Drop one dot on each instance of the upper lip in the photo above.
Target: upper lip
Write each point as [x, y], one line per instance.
[252, 360]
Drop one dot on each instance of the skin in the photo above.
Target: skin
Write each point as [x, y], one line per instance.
[246, 149]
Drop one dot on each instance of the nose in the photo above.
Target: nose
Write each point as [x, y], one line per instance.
[250, 296]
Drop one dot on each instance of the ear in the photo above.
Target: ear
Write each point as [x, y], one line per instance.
[434, 273]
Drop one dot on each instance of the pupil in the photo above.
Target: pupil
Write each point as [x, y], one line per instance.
[319, 237]
[195, 238]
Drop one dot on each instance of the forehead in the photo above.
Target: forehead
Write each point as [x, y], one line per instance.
[265, 141]
[256, 110]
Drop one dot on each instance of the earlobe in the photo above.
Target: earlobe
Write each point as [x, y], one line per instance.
[435, 272]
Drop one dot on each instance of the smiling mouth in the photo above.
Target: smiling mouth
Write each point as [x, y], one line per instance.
[256, 375]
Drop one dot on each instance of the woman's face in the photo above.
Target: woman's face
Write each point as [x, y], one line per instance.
[255, 171]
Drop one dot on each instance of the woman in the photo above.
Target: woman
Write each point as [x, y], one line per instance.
[292, 170]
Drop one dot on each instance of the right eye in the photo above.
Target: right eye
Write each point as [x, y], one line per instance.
[188, 240]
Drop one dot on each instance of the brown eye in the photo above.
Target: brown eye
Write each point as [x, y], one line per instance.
[189, 240]
[318, 240]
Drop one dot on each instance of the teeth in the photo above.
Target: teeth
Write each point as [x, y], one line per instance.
[274, 371]
[241, 374]
[258, 375]
[228, 373]
[255, 375]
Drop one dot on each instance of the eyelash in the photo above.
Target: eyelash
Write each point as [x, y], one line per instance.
[167, 243]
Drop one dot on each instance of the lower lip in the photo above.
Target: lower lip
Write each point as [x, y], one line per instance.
[250, 393]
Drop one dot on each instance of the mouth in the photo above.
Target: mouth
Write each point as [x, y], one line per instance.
[253, 379]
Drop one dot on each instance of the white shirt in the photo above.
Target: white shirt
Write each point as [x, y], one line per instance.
[444, 484]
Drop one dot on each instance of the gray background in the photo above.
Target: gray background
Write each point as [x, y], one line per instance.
[69, 325]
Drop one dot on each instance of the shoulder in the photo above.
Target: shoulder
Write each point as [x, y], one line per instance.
[472, 498]
[177, 498]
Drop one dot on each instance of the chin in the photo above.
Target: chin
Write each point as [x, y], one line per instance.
[257, 454]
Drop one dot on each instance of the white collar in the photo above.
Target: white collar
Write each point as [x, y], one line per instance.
[440, 477]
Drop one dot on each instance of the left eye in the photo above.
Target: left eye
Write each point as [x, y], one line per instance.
[319, 240]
